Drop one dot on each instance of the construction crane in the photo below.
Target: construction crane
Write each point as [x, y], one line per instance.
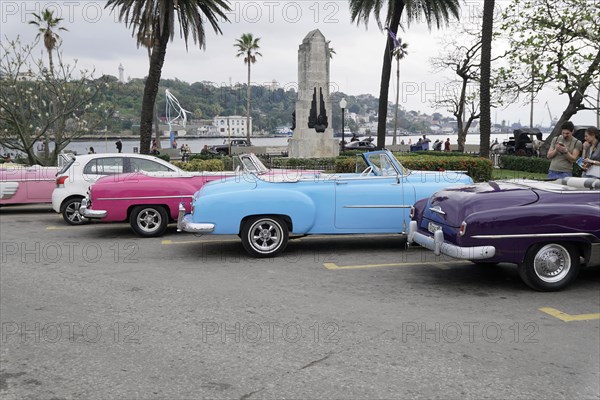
[552, 119]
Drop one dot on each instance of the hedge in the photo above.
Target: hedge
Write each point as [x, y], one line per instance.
[201, 165]
[531, 164]
[480, 169]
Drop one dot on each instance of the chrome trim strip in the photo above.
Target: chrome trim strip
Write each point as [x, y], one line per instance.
[146, 197]
[527, 235]
[437, 210]
[380, 206]
[28, 180]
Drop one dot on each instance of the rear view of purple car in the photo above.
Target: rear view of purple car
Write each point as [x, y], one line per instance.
[549, 229]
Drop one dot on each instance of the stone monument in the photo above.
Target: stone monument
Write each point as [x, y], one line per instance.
[312, 126]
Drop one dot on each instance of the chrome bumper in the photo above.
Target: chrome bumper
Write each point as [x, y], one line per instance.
[439, 246]
[185, 223]
[83, 210]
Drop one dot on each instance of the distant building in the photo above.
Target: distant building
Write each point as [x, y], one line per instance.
[236, 124]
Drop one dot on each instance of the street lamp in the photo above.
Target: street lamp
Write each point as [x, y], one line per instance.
[343, 105]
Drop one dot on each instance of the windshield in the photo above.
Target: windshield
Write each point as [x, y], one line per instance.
[385, 164]
[249, 163]
[66, 166]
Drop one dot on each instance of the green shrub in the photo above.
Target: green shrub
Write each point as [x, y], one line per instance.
[201, 165]
[165, 157]
[478, 168]
[325, 164]
[525, 164]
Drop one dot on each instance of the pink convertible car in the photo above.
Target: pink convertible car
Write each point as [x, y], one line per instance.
[150, 200]
[20, 184]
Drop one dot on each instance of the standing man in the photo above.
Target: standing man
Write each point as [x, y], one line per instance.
[564, 151]
[447, 145]
[119, 145]
[426, 142]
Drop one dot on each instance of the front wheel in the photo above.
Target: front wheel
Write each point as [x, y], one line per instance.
[149, 221]
[70, 212]
[550, 267]
[264, 236]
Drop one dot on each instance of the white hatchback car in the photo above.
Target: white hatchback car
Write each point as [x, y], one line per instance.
[75, 177]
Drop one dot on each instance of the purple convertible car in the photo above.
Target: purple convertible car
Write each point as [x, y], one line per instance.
[549, 229]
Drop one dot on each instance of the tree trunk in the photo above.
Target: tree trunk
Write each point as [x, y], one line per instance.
[157, 60]
[386, 72]
[248, 94]
[397, 99]
[460, 116]
[485, 122]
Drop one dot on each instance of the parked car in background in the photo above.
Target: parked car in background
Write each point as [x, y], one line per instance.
[365, 145]
[150, 200]
[21, 184]
[266, 210]
[74, 179]
[223, 149]
[548, 229]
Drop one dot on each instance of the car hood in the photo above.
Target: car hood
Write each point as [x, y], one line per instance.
[451, 206]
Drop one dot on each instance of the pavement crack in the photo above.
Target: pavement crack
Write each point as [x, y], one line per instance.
[247, 395]
[312, 363]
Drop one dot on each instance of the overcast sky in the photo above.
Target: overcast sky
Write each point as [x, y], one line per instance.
[97, 40]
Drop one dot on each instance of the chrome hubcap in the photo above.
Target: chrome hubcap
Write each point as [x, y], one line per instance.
[148, 220]
[265, 235]
[552, 263]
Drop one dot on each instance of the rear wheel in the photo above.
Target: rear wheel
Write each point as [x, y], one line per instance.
[264, 236]
[149, 221]
[550, 266]
[70, 212]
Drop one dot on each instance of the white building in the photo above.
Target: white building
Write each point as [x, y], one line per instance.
[236, 124]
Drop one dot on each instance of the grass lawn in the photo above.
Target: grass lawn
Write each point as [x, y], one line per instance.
[511, 174]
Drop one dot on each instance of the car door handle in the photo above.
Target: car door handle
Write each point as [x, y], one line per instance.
[341, 183]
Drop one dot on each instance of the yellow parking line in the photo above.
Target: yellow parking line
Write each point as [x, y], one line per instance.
[568, 317]
[56, 228]
[443, 265]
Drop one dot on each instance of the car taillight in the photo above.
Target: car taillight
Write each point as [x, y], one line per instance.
[412, 212]
[462, 229]
[60, 181]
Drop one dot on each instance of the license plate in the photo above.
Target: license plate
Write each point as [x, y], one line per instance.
[433, 228]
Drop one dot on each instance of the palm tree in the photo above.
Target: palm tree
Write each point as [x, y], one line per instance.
[46, 24]
[247, 47]
[487, 30]
[437, 11]
[156, 19]
[146, 41]
[399, 53]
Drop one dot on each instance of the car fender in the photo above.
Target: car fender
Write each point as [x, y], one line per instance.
[510, 229]
[227, 210]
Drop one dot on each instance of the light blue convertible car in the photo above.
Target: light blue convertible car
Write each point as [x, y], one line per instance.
[264, 209]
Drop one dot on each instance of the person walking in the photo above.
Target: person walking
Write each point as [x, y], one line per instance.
[119, 145]
[564, 151]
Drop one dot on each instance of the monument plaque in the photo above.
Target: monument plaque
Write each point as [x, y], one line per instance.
[313, 132]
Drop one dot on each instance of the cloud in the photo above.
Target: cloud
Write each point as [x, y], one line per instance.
[97, 39]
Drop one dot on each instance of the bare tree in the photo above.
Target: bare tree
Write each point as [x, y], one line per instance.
[460, 96]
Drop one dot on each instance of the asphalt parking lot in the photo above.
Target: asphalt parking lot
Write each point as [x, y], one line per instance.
[95, 312]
